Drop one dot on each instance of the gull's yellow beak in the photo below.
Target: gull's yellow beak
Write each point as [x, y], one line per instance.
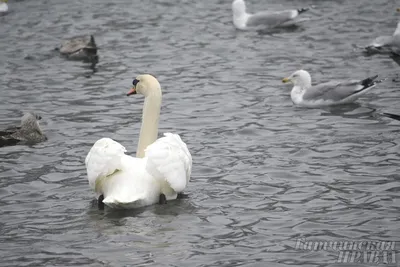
[286, 80]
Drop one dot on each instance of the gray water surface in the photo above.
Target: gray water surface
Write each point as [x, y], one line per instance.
[265, 173]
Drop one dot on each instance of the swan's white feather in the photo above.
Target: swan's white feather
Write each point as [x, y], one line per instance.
[129, 182]
[162, 166]
[121, 179]
[169, 159]
[103, 159]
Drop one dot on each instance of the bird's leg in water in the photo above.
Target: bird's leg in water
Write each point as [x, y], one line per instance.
[163, 199]
[100, 203]
[182, 195]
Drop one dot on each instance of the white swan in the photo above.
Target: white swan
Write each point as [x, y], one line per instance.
[3, 6]
[162, 167]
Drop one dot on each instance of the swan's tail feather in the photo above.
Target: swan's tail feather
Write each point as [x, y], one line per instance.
[123, 202]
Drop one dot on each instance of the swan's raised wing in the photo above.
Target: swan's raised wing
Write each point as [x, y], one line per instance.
[121, 179]
[168, 158]
[103, 159]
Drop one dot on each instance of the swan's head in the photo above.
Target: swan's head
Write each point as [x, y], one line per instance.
[301, 78]
[238, 7]
[146, 85]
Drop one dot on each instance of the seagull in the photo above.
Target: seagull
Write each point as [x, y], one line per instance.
[328, 93]
[386, 44]
[3, 6]
[264, 19]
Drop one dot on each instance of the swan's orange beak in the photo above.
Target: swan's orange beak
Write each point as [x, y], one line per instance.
[131, 92]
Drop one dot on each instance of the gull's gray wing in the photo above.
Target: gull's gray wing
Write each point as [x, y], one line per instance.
[4, 141]
[270, 19]
[381, 41]
[9, 130]
[386, 44]
[395, 47]
[7, 137]
[381, 45]
[19, 135]
[336, 91]
[77, 43]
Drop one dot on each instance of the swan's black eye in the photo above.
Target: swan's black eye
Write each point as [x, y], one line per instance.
[135, 82]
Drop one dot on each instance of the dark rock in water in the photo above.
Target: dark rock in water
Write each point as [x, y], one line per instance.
[29, 132]
[29, 57]
[80, 48]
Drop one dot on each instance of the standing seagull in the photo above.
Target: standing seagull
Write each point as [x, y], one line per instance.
[328, 93]
[264, 19]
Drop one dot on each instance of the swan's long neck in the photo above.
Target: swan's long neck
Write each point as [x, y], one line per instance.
[149, 129]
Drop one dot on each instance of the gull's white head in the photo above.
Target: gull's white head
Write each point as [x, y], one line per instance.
[301, 78]
[238, 8]
[146, 85]
[3, 6]
[397, 31]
